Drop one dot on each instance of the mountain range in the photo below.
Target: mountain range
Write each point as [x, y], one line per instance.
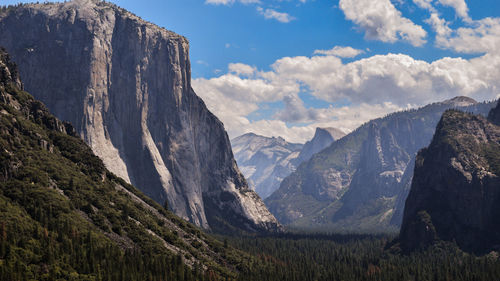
[360, 182]
[265, 161]
[125, 85]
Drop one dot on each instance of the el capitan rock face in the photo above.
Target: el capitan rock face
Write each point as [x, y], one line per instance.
[360, 182]
[455, 193]
[125, 84]
[51, 180]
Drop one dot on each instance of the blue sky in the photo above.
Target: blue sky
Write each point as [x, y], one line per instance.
[282, 67]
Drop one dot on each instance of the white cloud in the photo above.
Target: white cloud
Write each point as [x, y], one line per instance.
[439, 25]
[372, 87]
[219, 2]
[460, 7]
[273, 14]
[425, 4]
[395, 78]
[341, 52]
[241, 69]
[382, 21]
[483, 36]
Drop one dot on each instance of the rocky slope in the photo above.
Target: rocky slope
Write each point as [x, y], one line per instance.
[264, 161]
[125, 85]
[63, 212]
[360, 182]
[455, 193]
[323, 138]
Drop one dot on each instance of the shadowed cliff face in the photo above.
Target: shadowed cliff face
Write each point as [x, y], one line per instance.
[455, 193]
[125, 85]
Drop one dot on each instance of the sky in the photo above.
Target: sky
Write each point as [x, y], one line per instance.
[285, 67]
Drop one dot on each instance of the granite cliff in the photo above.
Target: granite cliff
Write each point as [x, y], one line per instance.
[58, 203]
[323, 138]
[125, 85]
[455, 193]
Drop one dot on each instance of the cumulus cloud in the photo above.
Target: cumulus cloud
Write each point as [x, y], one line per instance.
[396, 78]
[474, 37]
[273, 14]
[460, 7]
[382, 21]
[296, 112]
[368, 88]
[241, 69]
[425, 4]
[341, 52]
[482, 37]
[343, 118]
[372, 87]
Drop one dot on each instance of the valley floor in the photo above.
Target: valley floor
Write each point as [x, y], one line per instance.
[358, 257]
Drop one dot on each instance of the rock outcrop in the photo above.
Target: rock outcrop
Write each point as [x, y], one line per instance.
[125, 85]
[264, 161]
[455, 193]
[360, 182]
[323, 138]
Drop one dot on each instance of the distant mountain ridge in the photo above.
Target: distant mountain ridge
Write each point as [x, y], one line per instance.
[360, 182]
[125, 84]
[455, 192]
[265, 161]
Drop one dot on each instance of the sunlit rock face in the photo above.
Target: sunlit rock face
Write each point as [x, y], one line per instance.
[125, 84]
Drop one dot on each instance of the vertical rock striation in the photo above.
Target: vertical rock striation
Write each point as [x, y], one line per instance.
[125, 84]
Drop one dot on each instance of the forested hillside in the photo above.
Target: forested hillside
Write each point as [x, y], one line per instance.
[64, 216]
[298, 257]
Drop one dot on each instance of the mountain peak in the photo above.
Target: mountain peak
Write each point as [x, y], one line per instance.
[323, 137]
[460, 101]
[86, 2]
[333, 132]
